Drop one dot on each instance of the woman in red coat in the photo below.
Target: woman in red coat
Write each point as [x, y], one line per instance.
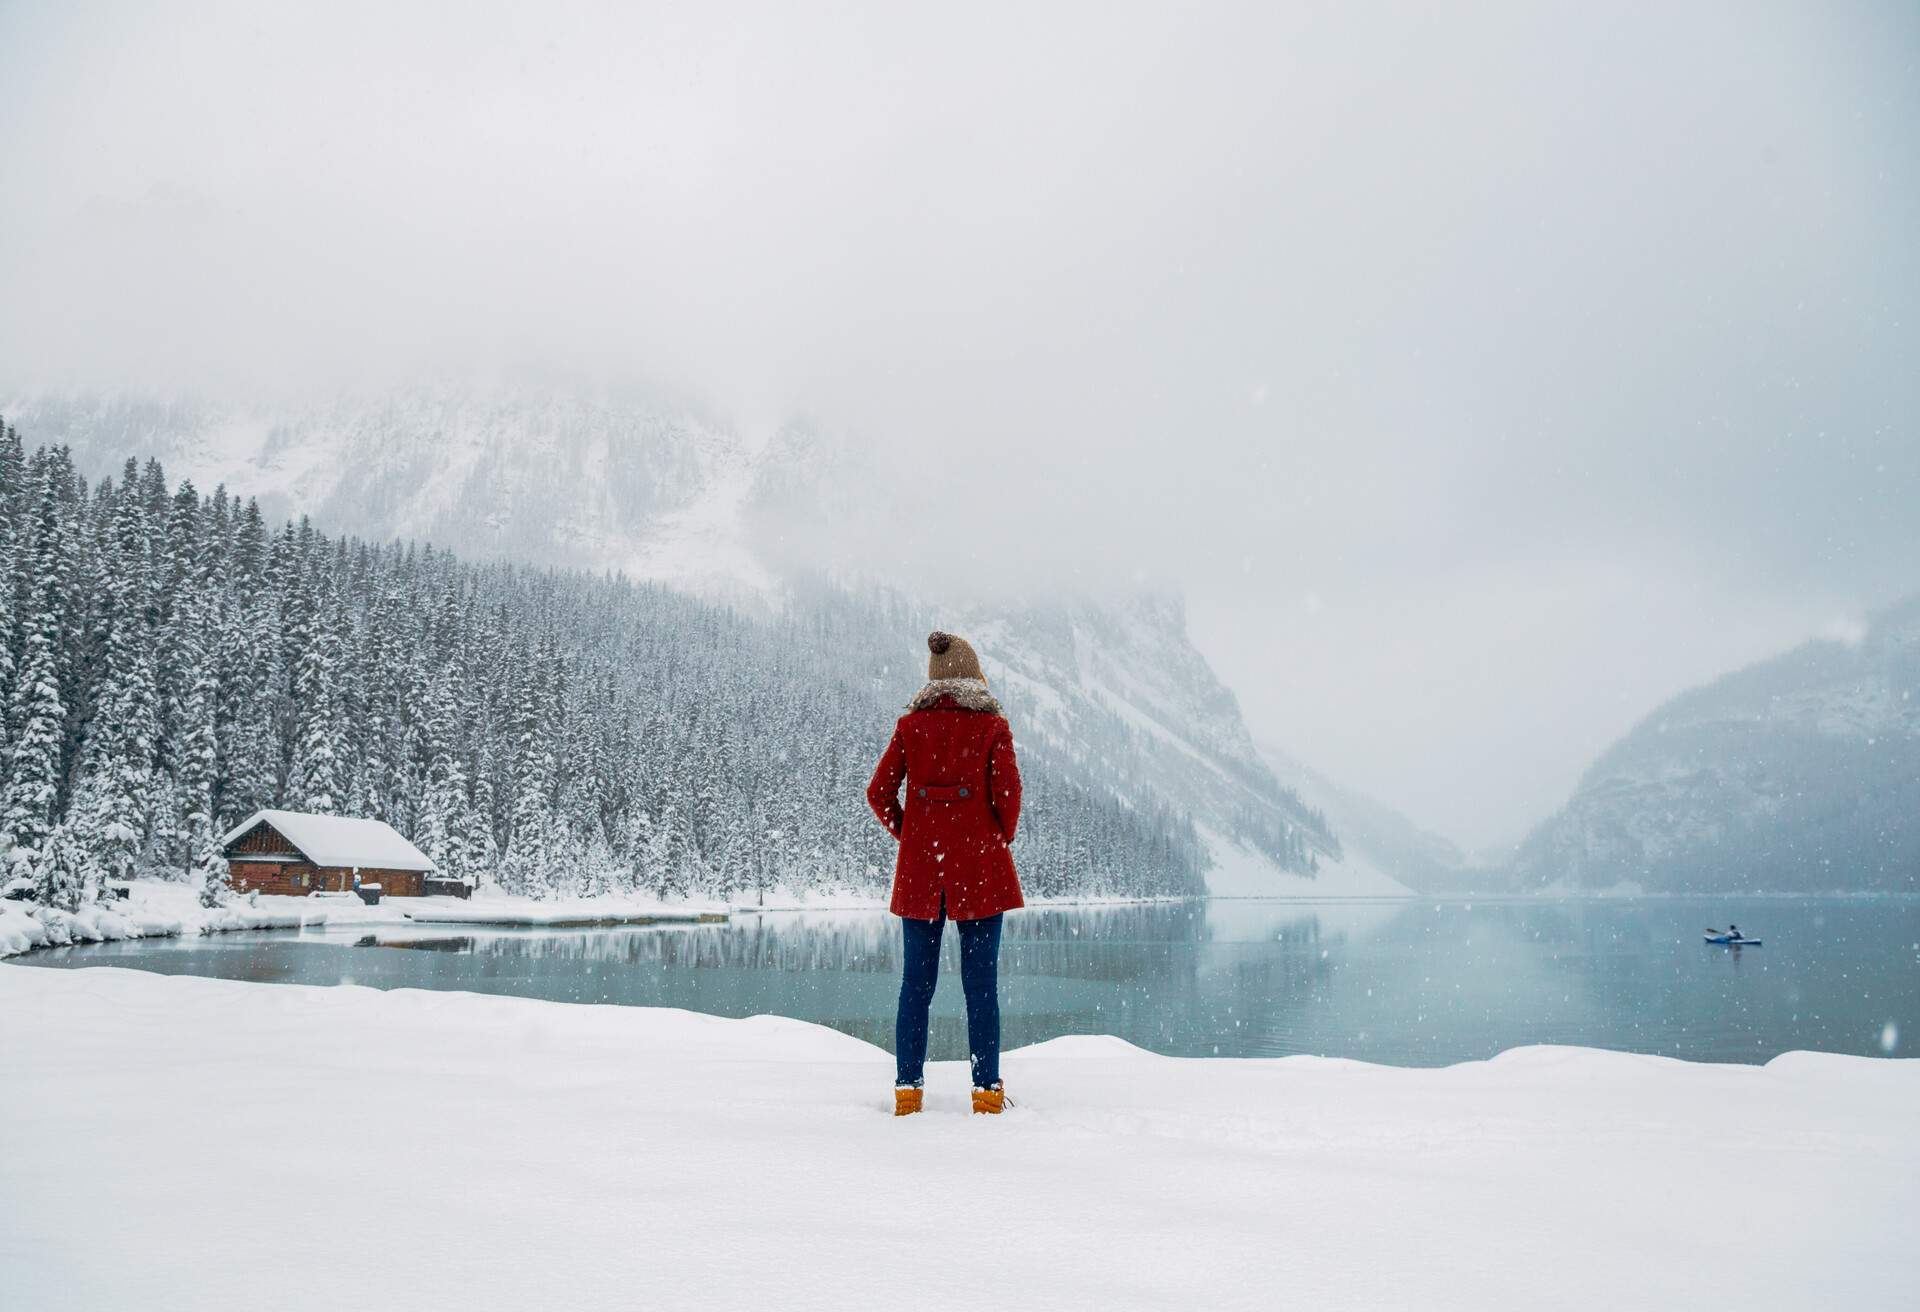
[954, 752]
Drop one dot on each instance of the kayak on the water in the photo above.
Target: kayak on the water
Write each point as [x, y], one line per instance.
[1731, 938]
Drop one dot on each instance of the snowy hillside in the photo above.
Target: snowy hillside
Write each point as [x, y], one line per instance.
[1111, 688]
[1799, 774]
[622, 482]
[1119, 684]
[1377, 836]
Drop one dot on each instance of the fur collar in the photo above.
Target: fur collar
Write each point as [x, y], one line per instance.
[969, 694]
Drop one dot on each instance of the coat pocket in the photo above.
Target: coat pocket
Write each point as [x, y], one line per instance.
[945, 792]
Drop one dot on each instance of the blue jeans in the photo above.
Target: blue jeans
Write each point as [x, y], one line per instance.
[979, 977]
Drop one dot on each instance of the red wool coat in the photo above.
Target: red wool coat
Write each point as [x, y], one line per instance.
[963, 802]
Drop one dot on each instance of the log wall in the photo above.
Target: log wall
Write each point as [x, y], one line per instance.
[299, 878]
[288, 878]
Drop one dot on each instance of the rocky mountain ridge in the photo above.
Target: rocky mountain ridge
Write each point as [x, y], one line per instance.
[1797, 774]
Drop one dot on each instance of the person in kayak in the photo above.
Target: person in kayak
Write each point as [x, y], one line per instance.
[954, 752]
[1733, 931]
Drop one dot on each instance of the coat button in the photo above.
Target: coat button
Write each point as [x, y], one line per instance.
[923, 792]
[963, 792]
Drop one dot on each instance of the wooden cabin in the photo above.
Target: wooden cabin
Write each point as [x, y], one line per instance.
[296, 854]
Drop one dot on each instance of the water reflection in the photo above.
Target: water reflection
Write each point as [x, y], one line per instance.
[1411, 983]
[452, 943]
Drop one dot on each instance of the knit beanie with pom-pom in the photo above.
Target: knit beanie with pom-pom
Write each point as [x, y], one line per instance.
[952, 658]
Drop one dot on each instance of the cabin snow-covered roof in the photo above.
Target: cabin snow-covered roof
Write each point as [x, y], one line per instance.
[338, 840]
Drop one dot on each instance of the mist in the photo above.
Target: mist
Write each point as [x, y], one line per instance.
[1482, 376]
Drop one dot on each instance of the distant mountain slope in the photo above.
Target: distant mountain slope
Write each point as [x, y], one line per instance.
[1378, 835]
[1119, 690]
[619, 481]
[627, 482]
[1801, 773]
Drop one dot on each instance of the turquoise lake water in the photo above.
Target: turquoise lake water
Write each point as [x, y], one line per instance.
[1407, 983]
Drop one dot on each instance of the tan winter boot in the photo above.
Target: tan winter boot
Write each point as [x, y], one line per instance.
[990, 1102]
[905, 1101]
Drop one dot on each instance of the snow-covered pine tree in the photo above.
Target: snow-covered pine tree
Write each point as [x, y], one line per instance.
[599, 871]
[445, 831]
[65, 876]
[659, 862]
[408, 752]
[527, 863]
[317, 775]
[197, 631]
[115, 797]
[31, 801]
[210, 872]
[246, 750]
[195, 756]
[177, 591]
[381, 727]
[13, 513]
[483, 842]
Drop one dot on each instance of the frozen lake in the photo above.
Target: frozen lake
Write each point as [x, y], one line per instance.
[1407, 983]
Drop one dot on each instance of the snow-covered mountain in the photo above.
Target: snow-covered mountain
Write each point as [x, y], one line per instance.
[658, 489]
[1377, 836]
[618, 481]
[1118, 688]
[1801, 773]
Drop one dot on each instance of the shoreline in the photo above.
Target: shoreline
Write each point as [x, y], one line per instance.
[160, 909]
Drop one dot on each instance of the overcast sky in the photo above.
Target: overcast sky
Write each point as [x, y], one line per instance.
[1483, 373]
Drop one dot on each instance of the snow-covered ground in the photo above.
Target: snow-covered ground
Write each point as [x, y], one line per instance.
[810, 900]
[158, 909]
[1238, 872]
[559, 912]
[154, 910]
[177, 1142]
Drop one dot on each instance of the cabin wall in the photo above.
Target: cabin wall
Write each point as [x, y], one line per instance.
[394, 883]
[299, 878]
[286, 878]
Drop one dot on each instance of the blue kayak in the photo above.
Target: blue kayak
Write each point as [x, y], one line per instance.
[1728, 941]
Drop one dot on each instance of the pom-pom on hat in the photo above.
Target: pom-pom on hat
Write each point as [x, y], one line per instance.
[952, 658]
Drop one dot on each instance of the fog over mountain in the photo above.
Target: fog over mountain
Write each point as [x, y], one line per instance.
[1480, 378]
